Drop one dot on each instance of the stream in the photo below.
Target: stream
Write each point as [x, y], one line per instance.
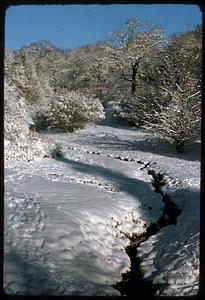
[133, 283]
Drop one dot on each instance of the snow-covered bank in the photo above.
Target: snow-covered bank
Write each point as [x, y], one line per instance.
[84, 230]
[67, 218]
[170, 259]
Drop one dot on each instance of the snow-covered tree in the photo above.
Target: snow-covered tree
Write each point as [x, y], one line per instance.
[19, 142]
[135, 107]
[178, 117]
[134, 51]
[43, 77]
[24, 72]
[15, 73]
[131, 46]
[38, 89]
[88, 71]
[179, 121]
[16, 115]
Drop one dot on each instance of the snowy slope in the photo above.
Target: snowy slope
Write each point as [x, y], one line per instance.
[67, 219]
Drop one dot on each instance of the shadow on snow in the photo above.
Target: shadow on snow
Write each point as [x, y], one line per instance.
[151, 145]
[133, 186]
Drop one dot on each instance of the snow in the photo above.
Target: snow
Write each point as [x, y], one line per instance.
[176, 260]
[67, 219]
[19, 142]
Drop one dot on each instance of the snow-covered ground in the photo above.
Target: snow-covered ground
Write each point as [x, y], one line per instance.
[67, 219]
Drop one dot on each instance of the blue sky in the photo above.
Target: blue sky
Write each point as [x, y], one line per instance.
[71, 26]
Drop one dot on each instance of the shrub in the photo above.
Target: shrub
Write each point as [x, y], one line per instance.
[74, 110]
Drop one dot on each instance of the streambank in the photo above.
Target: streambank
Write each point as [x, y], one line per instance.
[133, 283]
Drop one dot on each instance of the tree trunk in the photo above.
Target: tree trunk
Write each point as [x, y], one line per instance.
[134, 73]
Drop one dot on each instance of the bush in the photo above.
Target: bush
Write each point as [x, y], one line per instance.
[74, 110]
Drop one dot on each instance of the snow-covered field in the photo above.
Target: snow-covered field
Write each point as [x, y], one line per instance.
[67, 219]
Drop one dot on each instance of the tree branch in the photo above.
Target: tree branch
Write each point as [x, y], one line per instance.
[193, 95]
